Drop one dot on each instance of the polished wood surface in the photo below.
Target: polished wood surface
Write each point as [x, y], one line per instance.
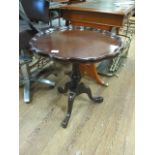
[76, 45]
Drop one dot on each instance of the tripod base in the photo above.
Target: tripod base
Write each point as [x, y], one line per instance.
[75, 88]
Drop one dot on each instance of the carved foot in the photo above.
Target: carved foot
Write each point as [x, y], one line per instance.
[65, 89]
[83, 89]
[65, 121]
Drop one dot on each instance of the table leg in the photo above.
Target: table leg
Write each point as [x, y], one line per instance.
[71, 97]
[84, 89]
[75, 88]
[90, 70]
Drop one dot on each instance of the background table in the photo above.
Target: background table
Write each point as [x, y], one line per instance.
[99, 14]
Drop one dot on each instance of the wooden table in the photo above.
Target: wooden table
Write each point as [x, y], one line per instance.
[99, 13]
[104, 14]
[68, 45]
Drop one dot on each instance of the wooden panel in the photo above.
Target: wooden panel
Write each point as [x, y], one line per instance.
[93, 17]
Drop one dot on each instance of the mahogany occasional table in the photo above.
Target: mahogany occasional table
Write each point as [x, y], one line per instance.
[76, 46]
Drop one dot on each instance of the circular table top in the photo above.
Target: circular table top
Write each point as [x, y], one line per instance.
[76, 45]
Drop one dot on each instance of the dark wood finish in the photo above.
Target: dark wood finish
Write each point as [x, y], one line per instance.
[76, 46]
[75, 88]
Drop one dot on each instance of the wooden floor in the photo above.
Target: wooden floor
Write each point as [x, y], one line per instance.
[94, 129]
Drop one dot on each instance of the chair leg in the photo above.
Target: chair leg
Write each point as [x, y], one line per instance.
[45, 81]
[27, 91]
[25, 72]
[59, 21]
[28, 77]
